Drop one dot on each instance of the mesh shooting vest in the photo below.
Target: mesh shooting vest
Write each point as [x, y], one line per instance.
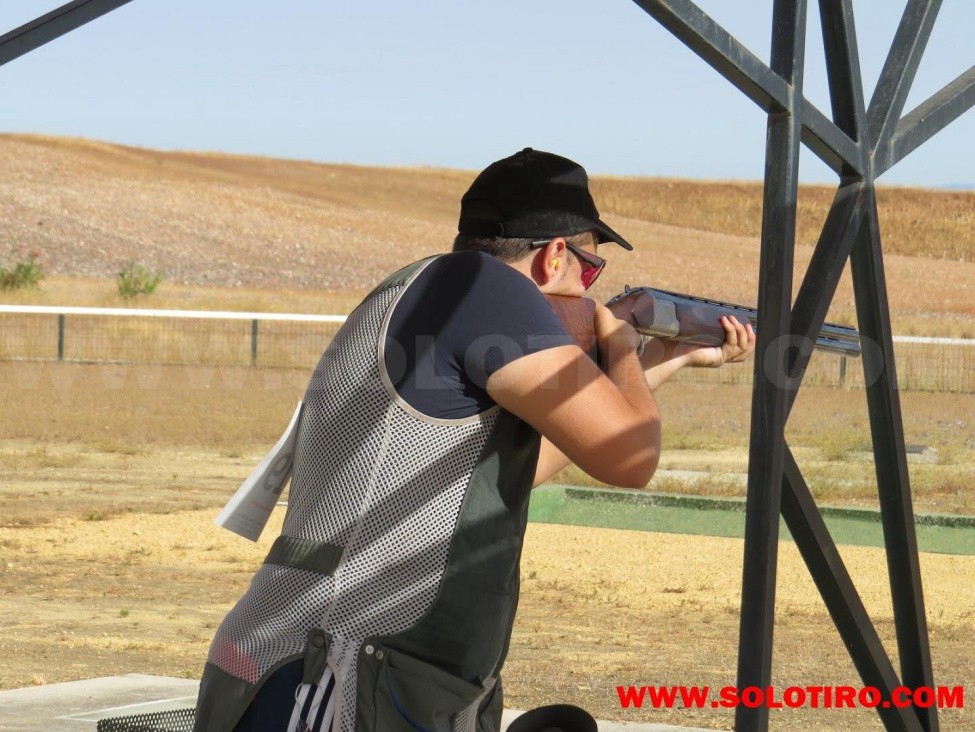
[398, 559]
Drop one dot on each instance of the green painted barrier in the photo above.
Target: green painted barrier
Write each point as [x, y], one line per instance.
[673, 514]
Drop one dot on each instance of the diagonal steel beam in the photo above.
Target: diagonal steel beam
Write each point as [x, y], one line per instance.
[828, 142]
[899, 70]
[927, 120]
[842, 600]
[53, 25]
[822, 276]
[890, 460]
[732, 59]
[843, 71]
[767, 436]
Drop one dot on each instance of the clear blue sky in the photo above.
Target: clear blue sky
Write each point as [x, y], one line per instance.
[452, 83]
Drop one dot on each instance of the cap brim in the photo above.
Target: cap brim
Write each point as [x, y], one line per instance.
[606, 234]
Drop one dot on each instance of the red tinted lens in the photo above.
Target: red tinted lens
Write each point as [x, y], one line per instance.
[591, 266]
[589, 275]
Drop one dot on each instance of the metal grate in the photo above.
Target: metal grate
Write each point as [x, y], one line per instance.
[172, 720]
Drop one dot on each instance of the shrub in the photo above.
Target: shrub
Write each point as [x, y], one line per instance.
[134, 279]
[26, 271]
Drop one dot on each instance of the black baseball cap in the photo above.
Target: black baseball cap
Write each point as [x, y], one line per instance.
[533, 195]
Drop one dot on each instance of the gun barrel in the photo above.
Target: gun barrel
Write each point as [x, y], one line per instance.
[695, 319]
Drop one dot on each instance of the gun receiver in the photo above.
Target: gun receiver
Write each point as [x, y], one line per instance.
[691, 319]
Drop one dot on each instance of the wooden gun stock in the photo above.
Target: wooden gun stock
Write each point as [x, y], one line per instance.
[578, 315]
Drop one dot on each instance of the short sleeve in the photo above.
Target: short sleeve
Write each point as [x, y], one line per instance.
[464, 317]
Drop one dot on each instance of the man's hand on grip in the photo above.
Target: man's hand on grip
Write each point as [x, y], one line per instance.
[614, 336]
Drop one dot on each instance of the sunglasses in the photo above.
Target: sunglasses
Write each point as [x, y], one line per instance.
[592, 264]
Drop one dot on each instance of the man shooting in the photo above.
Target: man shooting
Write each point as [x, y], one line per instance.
[387, 603]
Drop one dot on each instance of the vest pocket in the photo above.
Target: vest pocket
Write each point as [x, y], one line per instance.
[414, 696]
[314, 556]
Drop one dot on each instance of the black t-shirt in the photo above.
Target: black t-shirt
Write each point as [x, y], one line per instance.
[465, 316]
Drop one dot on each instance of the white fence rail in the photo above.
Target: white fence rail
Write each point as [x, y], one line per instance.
[123, 335]
[295, 340]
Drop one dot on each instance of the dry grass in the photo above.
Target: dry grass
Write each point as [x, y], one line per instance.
[138, 405]
[131, 415]
[96, 292]
[915, 222]
[829, 436]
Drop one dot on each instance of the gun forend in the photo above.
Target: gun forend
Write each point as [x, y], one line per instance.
[691, 319]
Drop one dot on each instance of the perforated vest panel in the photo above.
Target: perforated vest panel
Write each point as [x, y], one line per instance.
[381, 482]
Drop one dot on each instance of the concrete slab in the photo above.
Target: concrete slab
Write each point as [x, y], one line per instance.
[78, 705]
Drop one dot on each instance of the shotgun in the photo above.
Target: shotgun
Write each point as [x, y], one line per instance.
[684, 318]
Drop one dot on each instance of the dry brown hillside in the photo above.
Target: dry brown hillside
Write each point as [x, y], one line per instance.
[918, 222]
[231, 220]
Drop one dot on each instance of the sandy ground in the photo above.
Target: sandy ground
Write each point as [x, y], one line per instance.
[143, 592]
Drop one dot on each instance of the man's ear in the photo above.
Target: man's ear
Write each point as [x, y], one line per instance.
[550, 262]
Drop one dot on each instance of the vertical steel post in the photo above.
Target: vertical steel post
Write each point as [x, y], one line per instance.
[769, 398]
[890, 460]
[254, 342]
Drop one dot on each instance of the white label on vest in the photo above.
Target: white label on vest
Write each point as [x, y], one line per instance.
[247, 512]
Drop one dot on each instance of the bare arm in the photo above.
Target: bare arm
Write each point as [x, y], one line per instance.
[663, 358]
[660, 360]
[607, 424]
